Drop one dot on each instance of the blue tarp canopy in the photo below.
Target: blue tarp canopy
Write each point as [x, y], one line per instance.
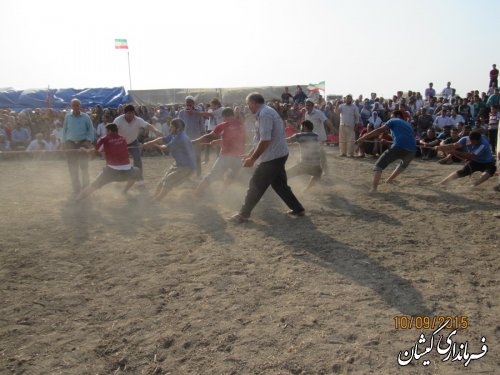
[61, 98]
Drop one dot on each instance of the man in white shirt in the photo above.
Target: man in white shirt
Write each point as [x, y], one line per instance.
[349, 117]
[447, 91]
[443, 120]
[319, 121]
[456, 118]
[128, 127]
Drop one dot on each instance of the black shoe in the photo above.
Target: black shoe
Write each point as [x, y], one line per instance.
[296, 213]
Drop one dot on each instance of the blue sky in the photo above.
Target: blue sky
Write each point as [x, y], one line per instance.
[356, 47]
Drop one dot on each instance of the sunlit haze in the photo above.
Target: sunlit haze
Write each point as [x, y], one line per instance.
[356, 47]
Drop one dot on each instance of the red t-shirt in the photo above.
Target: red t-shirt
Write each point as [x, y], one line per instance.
[233, 137]
[494, 73]
[115, 149]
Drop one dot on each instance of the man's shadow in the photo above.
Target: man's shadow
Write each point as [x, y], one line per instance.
[303, 236]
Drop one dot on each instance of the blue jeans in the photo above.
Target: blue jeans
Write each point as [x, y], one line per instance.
[135, 152]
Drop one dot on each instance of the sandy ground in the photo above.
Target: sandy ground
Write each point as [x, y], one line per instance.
[119, 285]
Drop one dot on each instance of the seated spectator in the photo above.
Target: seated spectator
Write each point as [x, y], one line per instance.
[53, 144]
[442, 120]
[368, 147]
[456, 118]
[427, 145]
[446, 133]
[20, 136]
[450, 158]
[423, 121]
[375, 120]
[38, 144]
[4, 143]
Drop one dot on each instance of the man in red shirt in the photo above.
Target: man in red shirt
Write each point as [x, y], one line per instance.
[118, 167]
[230, 134]
[494, 76]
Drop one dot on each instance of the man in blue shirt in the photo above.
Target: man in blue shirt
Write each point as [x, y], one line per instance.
[78, 131]
[403, 147]
[195, 127]
[180, 147]
[478, 154]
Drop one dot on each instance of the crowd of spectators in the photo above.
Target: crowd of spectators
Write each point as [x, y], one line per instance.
[437, 118]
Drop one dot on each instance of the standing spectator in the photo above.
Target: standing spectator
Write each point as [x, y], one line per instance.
[429, 92]
[78, 131]
[58, 130]
[365, 112]
[494, 76]
[271, 151]
[286, 97]
[299, 97]
[479, 108]
[494, 100]
[447, 91]
[493, 127]
[20, 136]
[195, 127]
[349, 118]
[129, 126]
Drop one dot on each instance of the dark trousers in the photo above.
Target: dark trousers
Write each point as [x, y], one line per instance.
[492, 135]
[269, 173]
[78, 163]
[135, 152]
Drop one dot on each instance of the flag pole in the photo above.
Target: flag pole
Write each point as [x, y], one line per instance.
[129, 76]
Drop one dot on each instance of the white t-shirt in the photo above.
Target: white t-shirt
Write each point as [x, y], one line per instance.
[129, 130]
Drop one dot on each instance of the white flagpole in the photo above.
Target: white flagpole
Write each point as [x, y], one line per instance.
[129, 76]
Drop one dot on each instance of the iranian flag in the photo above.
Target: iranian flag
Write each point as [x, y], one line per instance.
[314, 87]
[121, 44]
